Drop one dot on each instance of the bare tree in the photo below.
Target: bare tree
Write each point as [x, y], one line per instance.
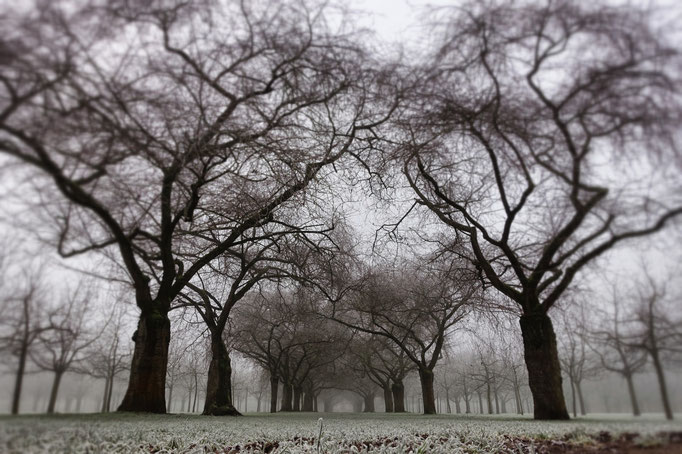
[658, 333]
[21, 326]
[109, 356]
[610, 342]
[577, 359]
[509, 127]
[66, 344]
[416, 314]
[171, 130]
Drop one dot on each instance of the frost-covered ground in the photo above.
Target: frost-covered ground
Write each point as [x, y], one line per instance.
[297, 433]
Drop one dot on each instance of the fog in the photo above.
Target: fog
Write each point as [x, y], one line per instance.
[228, 207]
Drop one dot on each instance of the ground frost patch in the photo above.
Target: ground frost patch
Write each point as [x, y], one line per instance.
[341, 433]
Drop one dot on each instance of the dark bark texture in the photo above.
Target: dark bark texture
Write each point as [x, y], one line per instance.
[544, 370]
[219, 385]
[398, 390]
[388, 399]
[147, 383]
[428, 395]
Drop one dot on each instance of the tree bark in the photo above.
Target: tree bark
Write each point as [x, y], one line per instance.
[426, 379]
[55, 390]
[297, 399]
[170, 398]
[147, 383]
[574, 402]
[219, 385]
[308, 401]
[106, 393]
[368, 404]
[398, 390]
[19, 380]
[633, 395]
[660, 375]
[388, 398]
[274, 385]
[544, 371]
[287, 394]
[579, 390]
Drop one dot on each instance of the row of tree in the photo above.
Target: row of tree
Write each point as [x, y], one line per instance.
[203, 149]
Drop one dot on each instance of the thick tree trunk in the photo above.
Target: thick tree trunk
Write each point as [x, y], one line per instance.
[297, 399]
[398, 390]
[274, 385]
[19, 380]
[287, 394]
[308, 401]
[667, 409]
[544, 372]
[633, 395]
[426, 379]
[147, 383]
[368, 404]
[219, 385]
[388, 398]
[55, 391]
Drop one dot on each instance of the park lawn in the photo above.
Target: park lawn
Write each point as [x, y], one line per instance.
[341, 433]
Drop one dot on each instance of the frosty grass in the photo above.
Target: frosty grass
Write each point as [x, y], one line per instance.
[297, 433]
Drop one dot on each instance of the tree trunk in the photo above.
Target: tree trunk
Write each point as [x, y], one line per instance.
[308, 400]
[480, 402]
[398, 390]
[55, 390]
[274, 385]
[110, 393]
[170, 398]
[489, 397]
[19, 380]
[544, 371]
[467, 405]
[388, 398]
[368, 406]
[426, 379]
[287, 394]
[574, 403]
[297, 399]
[662, 385]
[219, 385]
[196, 392]
[579, 390]
[147, 383]
[633, 396]
[106, 393]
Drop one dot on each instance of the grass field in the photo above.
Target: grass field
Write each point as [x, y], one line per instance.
[341, 433]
